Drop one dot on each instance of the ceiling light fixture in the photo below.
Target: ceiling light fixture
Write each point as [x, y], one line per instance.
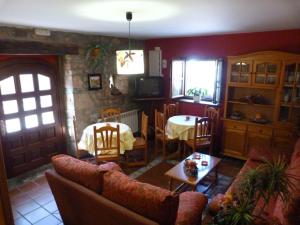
[129, 18]
[130, 61]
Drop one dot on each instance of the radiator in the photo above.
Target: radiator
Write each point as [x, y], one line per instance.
[131, 119]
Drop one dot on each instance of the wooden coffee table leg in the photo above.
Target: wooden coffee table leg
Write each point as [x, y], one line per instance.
[216, 175]
[170, 184]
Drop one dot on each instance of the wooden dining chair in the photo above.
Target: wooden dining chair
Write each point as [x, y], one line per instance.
[107, 143]
[160, 134]
[141, 143]
[213, 114]
[202, 135]
[110, 114]
[170, 110]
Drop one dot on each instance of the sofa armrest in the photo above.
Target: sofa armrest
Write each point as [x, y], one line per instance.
[191, 206]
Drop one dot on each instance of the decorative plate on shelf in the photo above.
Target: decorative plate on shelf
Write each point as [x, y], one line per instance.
[260, 120]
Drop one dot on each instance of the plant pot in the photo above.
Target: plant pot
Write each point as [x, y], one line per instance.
[95, 53]
[196, 98]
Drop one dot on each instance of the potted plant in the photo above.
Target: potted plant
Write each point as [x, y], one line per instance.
[97, 54]
[197, 93]
[269, 180]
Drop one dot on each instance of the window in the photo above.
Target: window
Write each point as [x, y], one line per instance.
[193, 74]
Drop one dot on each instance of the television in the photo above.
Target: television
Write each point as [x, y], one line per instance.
[130, 62]
[149, 87]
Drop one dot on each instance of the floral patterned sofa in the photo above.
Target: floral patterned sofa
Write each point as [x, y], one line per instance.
[88, 194]
[276, 211]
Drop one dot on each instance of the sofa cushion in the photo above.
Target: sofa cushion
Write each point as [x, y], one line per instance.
[191, 205]
[281, 211]
[249, 164]
[296, 152]
[150, 201]
[86, 174]
[261, 154]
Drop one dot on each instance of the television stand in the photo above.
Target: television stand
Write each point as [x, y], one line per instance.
[148, 105]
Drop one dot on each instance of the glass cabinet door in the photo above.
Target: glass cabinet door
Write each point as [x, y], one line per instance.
[266, 74]
[290, 93]
[240, 73]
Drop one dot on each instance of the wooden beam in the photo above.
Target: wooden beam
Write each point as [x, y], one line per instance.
[36, 48]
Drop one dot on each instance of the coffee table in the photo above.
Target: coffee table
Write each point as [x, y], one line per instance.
[177, 172]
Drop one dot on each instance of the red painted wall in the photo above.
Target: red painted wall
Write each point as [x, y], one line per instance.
[221, 46]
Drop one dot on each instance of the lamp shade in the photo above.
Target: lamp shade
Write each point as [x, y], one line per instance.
[130, 62]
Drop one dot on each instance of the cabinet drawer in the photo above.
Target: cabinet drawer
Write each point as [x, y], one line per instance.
[283, 133]
[235, 126]
[260, 130]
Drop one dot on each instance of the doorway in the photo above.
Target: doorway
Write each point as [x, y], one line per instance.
[30, 118]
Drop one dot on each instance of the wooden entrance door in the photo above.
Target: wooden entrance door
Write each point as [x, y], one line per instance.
[31, 126]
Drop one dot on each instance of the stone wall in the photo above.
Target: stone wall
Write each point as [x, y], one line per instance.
[79, 101]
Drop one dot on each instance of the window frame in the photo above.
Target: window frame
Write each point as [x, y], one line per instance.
[216, 98]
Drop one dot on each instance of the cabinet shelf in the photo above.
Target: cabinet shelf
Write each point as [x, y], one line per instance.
[250, 104]
[273, 77]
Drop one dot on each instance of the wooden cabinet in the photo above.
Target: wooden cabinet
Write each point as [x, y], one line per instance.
[262, 102]
[234, 139]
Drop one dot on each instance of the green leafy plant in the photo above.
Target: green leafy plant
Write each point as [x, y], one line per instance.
[197, 92]
[97, 54]
[268, 180]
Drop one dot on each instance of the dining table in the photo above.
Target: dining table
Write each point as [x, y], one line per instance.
[87, 139]
[181, 127]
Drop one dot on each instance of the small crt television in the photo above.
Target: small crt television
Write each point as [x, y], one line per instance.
[149, 87]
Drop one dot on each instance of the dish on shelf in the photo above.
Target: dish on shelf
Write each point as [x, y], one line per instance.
[259, 120]
[235, 117]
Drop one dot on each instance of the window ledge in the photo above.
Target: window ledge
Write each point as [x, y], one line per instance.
[201, 102]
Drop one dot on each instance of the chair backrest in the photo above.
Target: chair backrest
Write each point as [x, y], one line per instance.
[170, 110]
[159, 123]
[75, 137]
[107, 143]
[144, 126]
[111, 114]
[203, 129]
[213, 114]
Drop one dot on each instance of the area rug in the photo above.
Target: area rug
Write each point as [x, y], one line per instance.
[154, 175]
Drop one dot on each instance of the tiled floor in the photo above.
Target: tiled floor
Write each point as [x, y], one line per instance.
[33, 203]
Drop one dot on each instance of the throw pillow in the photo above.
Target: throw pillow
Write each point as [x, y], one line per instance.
[86, 174]
[150, 201]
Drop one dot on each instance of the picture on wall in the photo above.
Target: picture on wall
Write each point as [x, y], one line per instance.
[95, 81]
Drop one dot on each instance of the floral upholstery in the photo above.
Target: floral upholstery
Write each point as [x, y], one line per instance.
[86, 174]
[150, 201]
[276, 211]
[191, 205]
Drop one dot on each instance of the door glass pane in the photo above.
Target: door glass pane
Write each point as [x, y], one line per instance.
[26, 83]
[10, 106]
[7, 86]
[44, 82]
[12, 125]
[29, 103]
[31, 121]
[48, 117]
[46, 101]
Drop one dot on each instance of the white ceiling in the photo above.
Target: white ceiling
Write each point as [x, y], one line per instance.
[153, 18]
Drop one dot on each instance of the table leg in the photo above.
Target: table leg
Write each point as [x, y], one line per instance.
[170, 184]
[216, 175]
[194, 188]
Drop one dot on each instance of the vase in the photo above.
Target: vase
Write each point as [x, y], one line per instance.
[196, 98]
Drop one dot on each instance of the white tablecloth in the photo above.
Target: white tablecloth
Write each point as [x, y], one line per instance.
[181, 128]
[87, 138]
